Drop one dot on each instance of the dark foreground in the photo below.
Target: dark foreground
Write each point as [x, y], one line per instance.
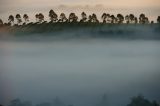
[84, 30]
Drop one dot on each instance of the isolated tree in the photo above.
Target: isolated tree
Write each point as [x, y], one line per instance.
[158, 19]
[104, 16]
[84, 17]
[120, 18]
[11, 19]
[1, 22]
[62, 18]
[53, 16]
[19, 20]
[26, 18]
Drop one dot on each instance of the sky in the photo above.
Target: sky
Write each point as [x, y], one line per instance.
[112, 3]
[150, 7]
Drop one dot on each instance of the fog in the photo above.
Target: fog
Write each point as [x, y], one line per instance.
[79, 71]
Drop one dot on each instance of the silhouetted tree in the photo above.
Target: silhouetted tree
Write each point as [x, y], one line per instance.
[11, 20]
[141, 101]
[120, 18]
[62, 18]
[53, 16]
[89, 18]
[72, 17]
[1, 22]
[37, 17]
[84, 17]
[41, 17]
[104, 16]
[158, 19]
[127, 19]
[142, 19]
[113, 19]
[26, 18]
[19, 20]
[94, 18]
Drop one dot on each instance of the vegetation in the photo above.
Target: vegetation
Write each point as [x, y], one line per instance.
[135, 101]
[73, 18]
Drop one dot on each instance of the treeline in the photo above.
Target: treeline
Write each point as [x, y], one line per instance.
[135, 101]
[19, 20]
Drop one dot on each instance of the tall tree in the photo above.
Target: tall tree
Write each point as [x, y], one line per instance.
[62, 18]
[1, 22]
[120, 18]
[72, 17]
[84, 17]
[94, 18]
[142, 18]
[104, 16]
[53, 16]
[158, 19]
[11, 20]
[26, 18]
[19, 20]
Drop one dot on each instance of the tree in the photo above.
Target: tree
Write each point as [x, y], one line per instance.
[104, 16]
[19, 20]
[142, 19]
[1, 22]
[120, 18]
[158, 19]
[37, 17]
[11, 20]
[132, 19]
[26, 18]
[41, 17]
[53, 16]
[141, 101]
[84, 17]
[94, 18]
[62, 18]
[113, 19]
[72, 17]
[89, 18]
[127, 19]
